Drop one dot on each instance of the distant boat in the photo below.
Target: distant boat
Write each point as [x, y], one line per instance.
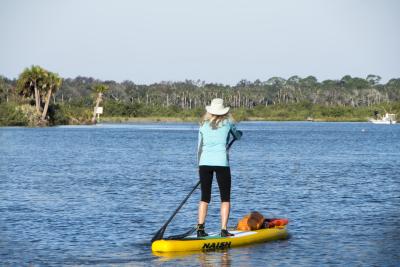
[387, 119]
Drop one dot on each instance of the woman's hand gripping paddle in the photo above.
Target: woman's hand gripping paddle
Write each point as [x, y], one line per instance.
[160, 233]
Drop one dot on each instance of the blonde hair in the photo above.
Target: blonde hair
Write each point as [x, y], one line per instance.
[215, 120]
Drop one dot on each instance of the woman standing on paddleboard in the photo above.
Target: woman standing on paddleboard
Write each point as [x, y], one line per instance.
[214, 133]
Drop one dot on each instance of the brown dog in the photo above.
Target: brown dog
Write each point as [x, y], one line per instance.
[252, 221]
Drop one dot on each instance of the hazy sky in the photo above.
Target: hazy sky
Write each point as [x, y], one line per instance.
[213, 40]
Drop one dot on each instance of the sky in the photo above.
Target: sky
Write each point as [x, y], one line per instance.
[221, 41]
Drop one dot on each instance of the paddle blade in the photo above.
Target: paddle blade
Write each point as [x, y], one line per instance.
[182, 236]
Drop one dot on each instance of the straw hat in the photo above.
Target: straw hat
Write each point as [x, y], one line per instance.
[217, 107]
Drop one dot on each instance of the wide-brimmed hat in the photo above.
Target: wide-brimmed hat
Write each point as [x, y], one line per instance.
[217, 107]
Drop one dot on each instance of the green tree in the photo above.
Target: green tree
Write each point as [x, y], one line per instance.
[53, 83]
[31, 83]
[99, 89]
[4, 90]
[294, 80]
[373, 79]
[309, 81]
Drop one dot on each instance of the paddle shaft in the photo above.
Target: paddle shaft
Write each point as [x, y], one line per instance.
[159, 235]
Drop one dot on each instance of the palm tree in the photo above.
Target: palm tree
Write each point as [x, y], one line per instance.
[30, 82]
[99, 89]
[53, 83]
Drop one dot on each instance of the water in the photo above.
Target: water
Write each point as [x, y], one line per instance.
[95, 195]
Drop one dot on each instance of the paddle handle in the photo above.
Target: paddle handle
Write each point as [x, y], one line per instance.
[230, 143]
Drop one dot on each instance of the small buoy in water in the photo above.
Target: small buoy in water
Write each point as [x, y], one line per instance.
[362, 130]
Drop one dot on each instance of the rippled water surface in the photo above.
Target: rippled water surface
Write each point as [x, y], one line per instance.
[96, 195]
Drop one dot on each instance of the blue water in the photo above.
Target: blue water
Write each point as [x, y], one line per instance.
[95, 195]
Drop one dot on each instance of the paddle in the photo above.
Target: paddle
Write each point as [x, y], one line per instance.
[160, 233]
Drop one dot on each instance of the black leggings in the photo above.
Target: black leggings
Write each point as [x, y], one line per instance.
[223, 179]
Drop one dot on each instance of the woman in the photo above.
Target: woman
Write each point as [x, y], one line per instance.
[216, 125]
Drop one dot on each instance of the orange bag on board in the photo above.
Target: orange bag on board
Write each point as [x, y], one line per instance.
[252, 221]
[277, 222]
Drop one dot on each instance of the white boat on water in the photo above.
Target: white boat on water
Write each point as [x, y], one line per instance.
[387, 119]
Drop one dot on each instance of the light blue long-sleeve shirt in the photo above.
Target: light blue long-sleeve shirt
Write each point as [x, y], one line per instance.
[212, 145]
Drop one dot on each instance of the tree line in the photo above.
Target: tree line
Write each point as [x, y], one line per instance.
[45, 88]
[189, 94]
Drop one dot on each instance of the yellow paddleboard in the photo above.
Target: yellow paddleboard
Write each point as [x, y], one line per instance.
[215, 242]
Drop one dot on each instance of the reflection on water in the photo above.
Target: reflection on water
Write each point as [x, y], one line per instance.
[210, 258]
[95, 195]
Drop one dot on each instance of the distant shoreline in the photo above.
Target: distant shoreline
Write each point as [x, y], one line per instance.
[147, 119]
[122, 120]
[154, 119]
